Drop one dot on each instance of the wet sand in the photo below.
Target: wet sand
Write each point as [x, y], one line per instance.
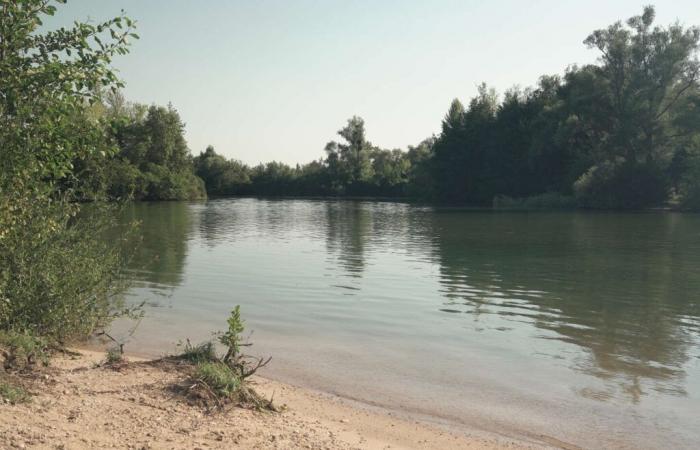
[78, 404]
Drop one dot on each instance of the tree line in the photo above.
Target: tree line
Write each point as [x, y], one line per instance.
[621, 133]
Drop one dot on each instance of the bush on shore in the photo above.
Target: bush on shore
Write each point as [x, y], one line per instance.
[218, 381]
[621, 185]
[58, 277]
[549, 200]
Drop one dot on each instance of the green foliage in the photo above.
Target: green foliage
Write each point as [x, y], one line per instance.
[613, 128]
[21, 351]
[114, 355]
[204, 352]
[153, 161]
[621, 185]
[221, 176]
[223, 380]
[354, 167]
[218, 377]
[12, 393]
[57, 278]
[615, 134]
[231, 338]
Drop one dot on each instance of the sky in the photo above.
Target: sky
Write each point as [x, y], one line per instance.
[275, 80]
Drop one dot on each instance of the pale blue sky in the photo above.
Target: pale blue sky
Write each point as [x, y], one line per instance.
[274, 80]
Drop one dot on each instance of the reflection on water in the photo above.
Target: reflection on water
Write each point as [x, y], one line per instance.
[348, 227]
[624, 288]
[165, 231]
[603, 308]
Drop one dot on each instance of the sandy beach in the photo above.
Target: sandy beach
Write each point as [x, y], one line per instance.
[79, 404]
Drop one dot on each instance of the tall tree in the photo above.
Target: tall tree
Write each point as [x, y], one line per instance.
[647, 72]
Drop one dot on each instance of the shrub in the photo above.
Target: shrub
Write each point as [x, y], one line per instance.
[59, 278]
[124, 181]
[223, 380]
[621, 185]
[231, 338]
[165, 184]
[22, 351]
[196, 354]
[218, 377]
[114, 355]
[12, 393]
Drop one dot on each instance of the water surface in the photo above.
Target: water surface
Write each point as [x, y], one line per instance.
[582, 327]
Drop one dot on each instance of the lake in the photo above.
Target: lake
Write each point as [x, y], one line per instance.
[579, 327]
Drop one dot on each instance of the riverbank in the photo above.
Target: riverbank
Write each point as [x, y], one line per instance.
[78, 404]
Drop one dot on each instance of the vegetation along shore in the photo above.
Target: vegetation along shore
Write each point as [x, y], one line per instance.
[619, 134]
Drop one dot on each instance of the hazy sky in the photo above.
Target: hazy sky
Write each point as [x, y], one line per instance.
[275, 80]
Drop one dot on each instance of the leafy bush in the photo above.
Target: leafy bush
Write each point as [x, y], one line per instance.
[223, 380]
[22, 351]
[114, 355]
[12, 393]
[621, 185]
[231, 338]
[124, 181]
[59, 278]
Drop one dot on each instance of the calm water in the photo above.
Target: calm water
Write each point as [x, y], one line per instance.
[582, 327]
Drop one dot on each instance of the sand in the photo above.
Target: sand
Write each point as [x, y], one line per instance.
[79, 405]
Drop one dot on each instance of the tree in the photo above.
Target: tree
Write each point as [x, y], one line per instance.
[221, 176]
[354, 153]
[463, 153]
[646, 74]
[151, 140]
[644, 91]
[390, 171]
[621, 133]
[448, 159]
[58, 279]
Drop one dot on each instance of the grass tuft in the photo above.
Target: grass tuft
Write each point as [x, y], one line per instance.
[114, 356]
[13, 394]
[199, 353]
[218, 377]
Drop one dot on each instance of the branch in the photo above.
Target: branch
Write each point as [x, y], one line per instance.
[678, 94]
[261, 363]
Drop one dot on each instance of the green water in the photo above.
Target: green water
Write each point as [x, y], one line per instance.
[582, 327]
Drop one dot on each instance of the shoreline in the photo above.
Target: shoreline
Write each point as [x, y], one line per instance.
[78, 404]
[483, 429]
